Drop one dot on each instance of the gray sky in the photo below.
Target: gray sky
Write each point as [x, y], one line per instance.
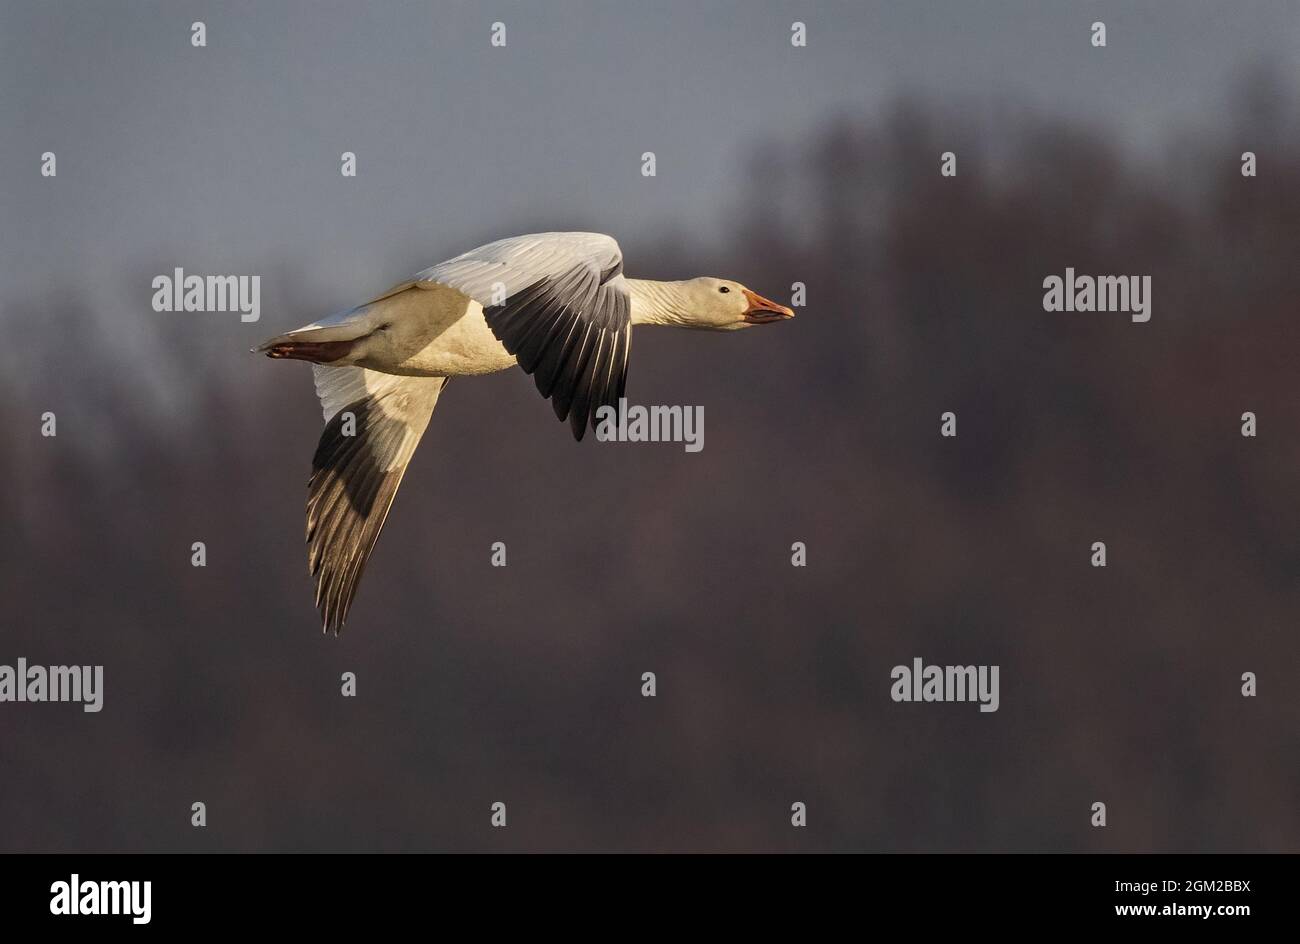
[226, 159]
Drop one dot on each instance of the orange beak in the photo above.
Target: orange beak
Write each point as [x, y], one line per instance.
[762, 310]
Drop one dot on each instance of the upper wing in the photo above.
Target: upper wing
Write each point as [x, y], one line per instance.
[374, 423]
[560, 305]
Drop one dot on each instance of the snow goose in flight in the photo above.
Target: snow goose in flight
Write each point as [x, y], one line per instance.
[556, 304]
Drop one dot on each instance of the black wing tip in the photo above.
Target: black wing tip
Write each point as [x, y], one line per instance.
[335, 592]
[573, 357]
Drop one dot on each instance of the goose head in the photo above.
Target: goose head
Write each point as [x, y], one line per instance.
[724, 305]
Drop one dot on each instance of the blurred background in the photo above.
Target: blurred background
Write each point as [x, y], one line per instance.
[775, 165]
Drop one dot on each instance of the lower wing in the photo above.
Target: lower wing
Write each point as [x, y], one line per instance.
[374, 421]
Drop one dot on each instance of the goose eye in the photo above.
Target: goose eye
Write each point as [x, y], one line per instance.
[723, 289]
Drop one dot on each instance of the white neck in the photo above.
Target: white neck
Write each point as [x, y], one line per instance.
[657, 303]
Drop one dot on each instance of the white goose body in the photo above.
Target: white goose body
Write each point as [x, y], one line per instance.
[555, 304]
[456, 338]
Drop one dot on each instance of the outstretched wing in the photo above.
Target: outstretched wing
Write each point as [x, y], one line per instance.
[560, 305]
[374, 421]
